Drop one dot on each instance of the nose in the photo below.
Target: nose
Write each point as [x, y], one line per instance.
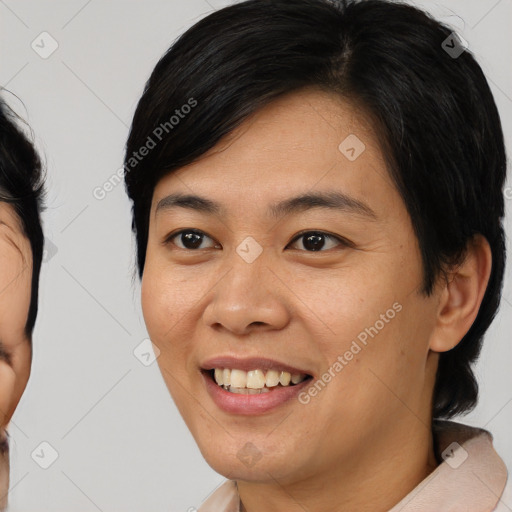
[248, 297]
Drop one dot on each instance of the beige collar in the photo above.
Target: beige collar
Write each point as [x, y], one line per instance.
[471, 477]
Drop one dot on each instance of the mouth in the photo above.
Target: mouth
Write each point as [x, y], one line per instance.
[254, 382]
[252, 386]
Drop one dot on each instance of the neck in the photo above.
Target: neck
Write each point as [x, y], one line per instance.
[375, 481]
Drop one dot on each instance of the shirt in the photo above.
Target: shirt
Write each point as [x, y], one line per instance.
[471, 478]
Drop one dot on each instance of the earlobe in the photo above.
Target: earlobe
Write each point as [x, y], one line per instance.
[462, 295]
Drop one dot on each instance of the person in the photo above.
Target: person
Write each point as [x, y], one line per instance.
[317, 201]
[21, 253]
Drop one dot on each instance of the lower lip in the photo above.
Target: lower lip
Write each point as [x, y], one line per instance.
[236, 403]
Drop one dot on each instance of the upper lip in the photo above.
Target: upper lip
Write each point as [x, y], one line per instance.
[250, 363]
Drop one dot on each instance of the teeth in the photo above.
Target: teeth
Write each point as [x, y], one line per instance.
[272, 378]
[245, 391]
[284, 378]
[238, 378]
[296, 378]
[254, 381]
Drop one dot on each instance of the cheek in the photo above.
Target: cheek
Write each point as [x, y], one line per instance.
[172, 295]
[383, 366]
[380, 331]
[15, 293]
[167, 302]
[153, 304]
[343, 303]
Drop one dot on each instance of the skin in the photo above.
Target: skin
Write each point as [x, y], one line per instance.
[364, 441]
[15, 346]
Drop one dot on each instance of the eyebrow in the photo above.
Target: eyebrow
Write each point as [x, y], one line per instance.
[329, 200]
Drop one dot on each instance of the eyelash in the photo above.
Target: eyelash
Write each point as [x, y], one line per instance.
[342, 242]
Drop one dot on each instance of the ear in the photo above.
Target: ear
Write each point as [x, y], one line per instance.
[461, 296]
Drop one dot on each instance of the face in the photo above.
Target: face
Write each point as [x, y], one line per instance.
[326, 293]
[15, 348]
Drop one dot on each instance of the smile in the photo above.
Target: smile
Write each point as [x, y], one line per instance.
[254, 381]
[252, 386]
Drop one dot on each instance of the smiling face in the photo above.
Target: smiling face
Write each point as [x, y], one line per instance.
[257, 287]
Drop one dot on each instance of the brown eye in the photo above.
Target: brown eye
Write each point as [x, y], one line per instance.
[314, 241]
[190, 239]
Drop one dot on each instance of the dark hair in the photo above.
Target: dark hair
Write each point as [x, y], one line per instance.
[435, 114]
[22, 185]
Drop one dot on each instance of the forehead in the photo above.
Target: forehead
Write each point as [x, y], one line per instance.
[304, 124]
[302, 141]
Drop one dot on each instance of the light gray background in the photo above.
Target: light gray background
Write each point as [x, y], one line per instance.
[122, 445]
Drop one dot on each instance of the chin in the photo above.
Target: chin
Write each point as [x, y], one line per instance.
[249, 461]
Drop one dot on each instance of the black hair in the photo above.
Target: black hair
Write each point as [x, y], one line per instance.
[22, 186]
[432, 109]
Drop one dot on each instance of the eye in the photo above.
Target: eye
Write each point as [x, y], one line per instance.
[190, 238]
[315, 240]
